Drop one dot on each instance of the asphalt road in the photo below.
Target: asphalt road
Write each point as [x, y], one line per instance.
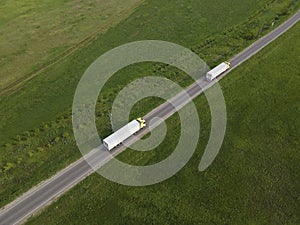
[43, 194]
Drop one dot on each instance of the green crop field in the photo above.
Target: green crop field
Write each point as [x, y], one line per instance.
[35, 34]
[255, 178]
[183, 22]
[36, 138]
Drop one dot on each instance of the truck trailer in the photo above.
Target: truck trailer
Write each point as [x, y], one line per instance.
[217, 71]
[123, 133]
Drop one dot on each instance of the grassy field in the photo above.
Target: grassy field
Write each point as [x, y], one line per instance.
[51, 92]
[255, 178]
[25, 159]
[36, 34]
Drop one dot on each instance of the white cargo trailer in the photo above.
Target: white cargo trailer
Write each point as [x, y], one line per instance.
[123, 133]
[217, 71]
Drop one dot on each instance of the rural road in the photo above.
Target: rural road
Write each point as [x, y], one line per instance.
[43, 194]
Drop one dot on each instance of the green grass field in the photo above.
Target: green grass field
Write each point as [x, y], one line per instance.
[255, 178]
[51, 92]
[37, 133]
[36, 34]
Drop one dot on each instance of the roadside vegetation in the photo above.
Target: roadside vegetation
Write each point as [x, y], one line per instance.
[45, 142]
[254, 179]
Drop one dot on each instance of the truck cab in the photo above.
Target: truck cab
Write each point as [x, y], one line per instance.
[142, 122]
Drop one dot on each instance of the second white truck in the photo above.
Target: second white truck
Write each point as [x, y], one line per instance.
[217, 71]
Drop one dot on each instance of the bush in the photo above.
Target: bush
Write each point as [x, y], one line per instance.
[40, 149]
[19, 160]
[66, 135]
[8, 166]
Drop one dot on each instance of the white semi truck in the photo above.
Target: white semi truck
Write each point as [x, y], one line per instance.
[124, 133]
[217, 71]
